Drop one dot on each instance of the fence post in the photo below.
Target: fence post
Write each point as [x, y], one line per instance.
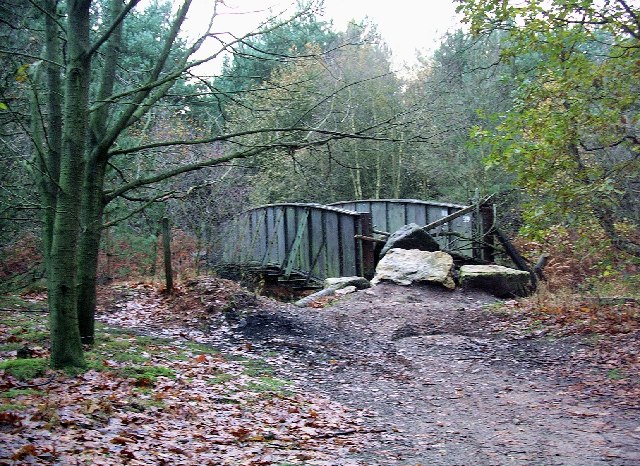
[488, 223]
[166, 246]
[367, 247]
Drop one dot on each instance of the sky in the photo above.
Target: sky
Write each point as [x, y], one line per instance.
[405, 25]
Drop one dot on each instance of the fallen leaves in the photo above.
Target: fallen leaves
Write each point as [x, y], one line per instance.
[608, 361]
[150, 400]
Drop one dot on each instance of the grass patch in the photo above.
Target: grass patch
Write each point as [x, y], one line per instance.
[16, 302]
[130, 357]
[4, 407]
[268, 385]
[201, 348]
[146, 375]
[14, 346]
[117, 345]
[256, 368]
[615, 374]
[35, 336]
[220, 379]
[16, 392]
[25, 369]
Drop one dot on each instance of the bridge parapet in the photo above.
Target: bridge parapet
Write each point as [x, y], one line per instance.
[318, 241]
[311, 240]
[390, 215]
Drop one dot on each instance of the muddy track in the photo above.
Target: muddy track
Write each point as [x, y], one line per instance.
[440, 384]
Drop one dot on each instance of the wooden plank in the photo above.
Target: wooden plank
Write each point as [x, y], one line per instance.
[396, 216]
[303, 262]
[257, 248]
[291, 226]
[332, 244]
[417, 214]
[454, 214]
[462, 226]
[436, 213]
[348, 245]
[274, 233]
[379, 216]
[486, 228]
[242, 228]
[316, 243]
[362, 206]
[281, 252]
[366, 248]
[294, 254]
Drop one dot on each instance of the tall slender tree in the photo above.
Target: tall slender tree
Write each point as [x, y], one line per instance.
[90, 100]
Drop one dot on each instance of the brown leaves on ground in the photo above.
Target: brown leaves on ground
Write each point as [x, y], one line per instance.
[149, 400]
[194, 302]
[608, 362]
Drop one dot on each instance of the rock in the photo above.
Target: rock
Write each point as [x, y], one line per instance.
[307, 300]
[346, 290]
[333, 286]
[410, 236]
[407, 266]
[502, 282]
[341, 282]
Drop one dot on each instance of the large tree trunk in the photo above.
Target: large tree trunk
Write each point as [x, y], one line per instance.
[66, 348]
[88, 250]
[92, 187]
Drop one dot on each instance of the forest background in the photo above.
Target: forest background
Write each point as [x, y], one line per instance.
[106, 129]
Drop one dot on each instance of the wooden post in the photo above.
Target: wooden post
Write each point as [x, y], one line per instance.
[456, 214]
[488, 237]
[166, 246]
[367, 248]
[515, 256]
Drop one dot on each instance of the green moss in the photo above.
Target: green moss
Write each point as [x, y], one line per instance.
[256, 368]
[130, 357]
[220, 379]
[116, 345]
[615, 374]
[161, 341]
[11, 346]
[25, 369]
[16, 302]
[16, 392]
[268, 384]
[4, 407]
[146, 375]
[35, 336]
[177, 356]
[201, 348]
[95, 360]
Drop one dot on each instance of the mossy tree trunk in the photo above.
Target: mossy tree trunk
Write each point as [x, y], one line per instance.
[66, 349]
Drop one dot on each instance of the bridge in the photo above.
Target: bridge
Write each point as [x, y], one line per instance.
[310, 242]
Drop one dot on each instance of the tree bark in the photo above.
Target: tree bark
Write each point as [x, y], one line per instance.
[47, 155]
[92, 187]
[66, 348]
[166, 247]
[88, 250]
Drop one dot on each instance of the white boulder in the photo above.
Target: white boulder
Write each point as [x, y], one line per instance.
[407, 266]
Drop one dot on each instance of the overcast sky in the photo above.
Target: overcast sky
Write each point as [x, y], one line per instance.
[406, 25]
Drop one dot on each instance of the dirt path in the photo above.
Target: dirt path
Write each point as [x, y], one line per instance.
[441, 384]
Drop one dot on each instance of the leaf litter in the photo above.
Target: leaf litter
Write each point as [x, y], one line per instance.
[387, 376]
[168, 397]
